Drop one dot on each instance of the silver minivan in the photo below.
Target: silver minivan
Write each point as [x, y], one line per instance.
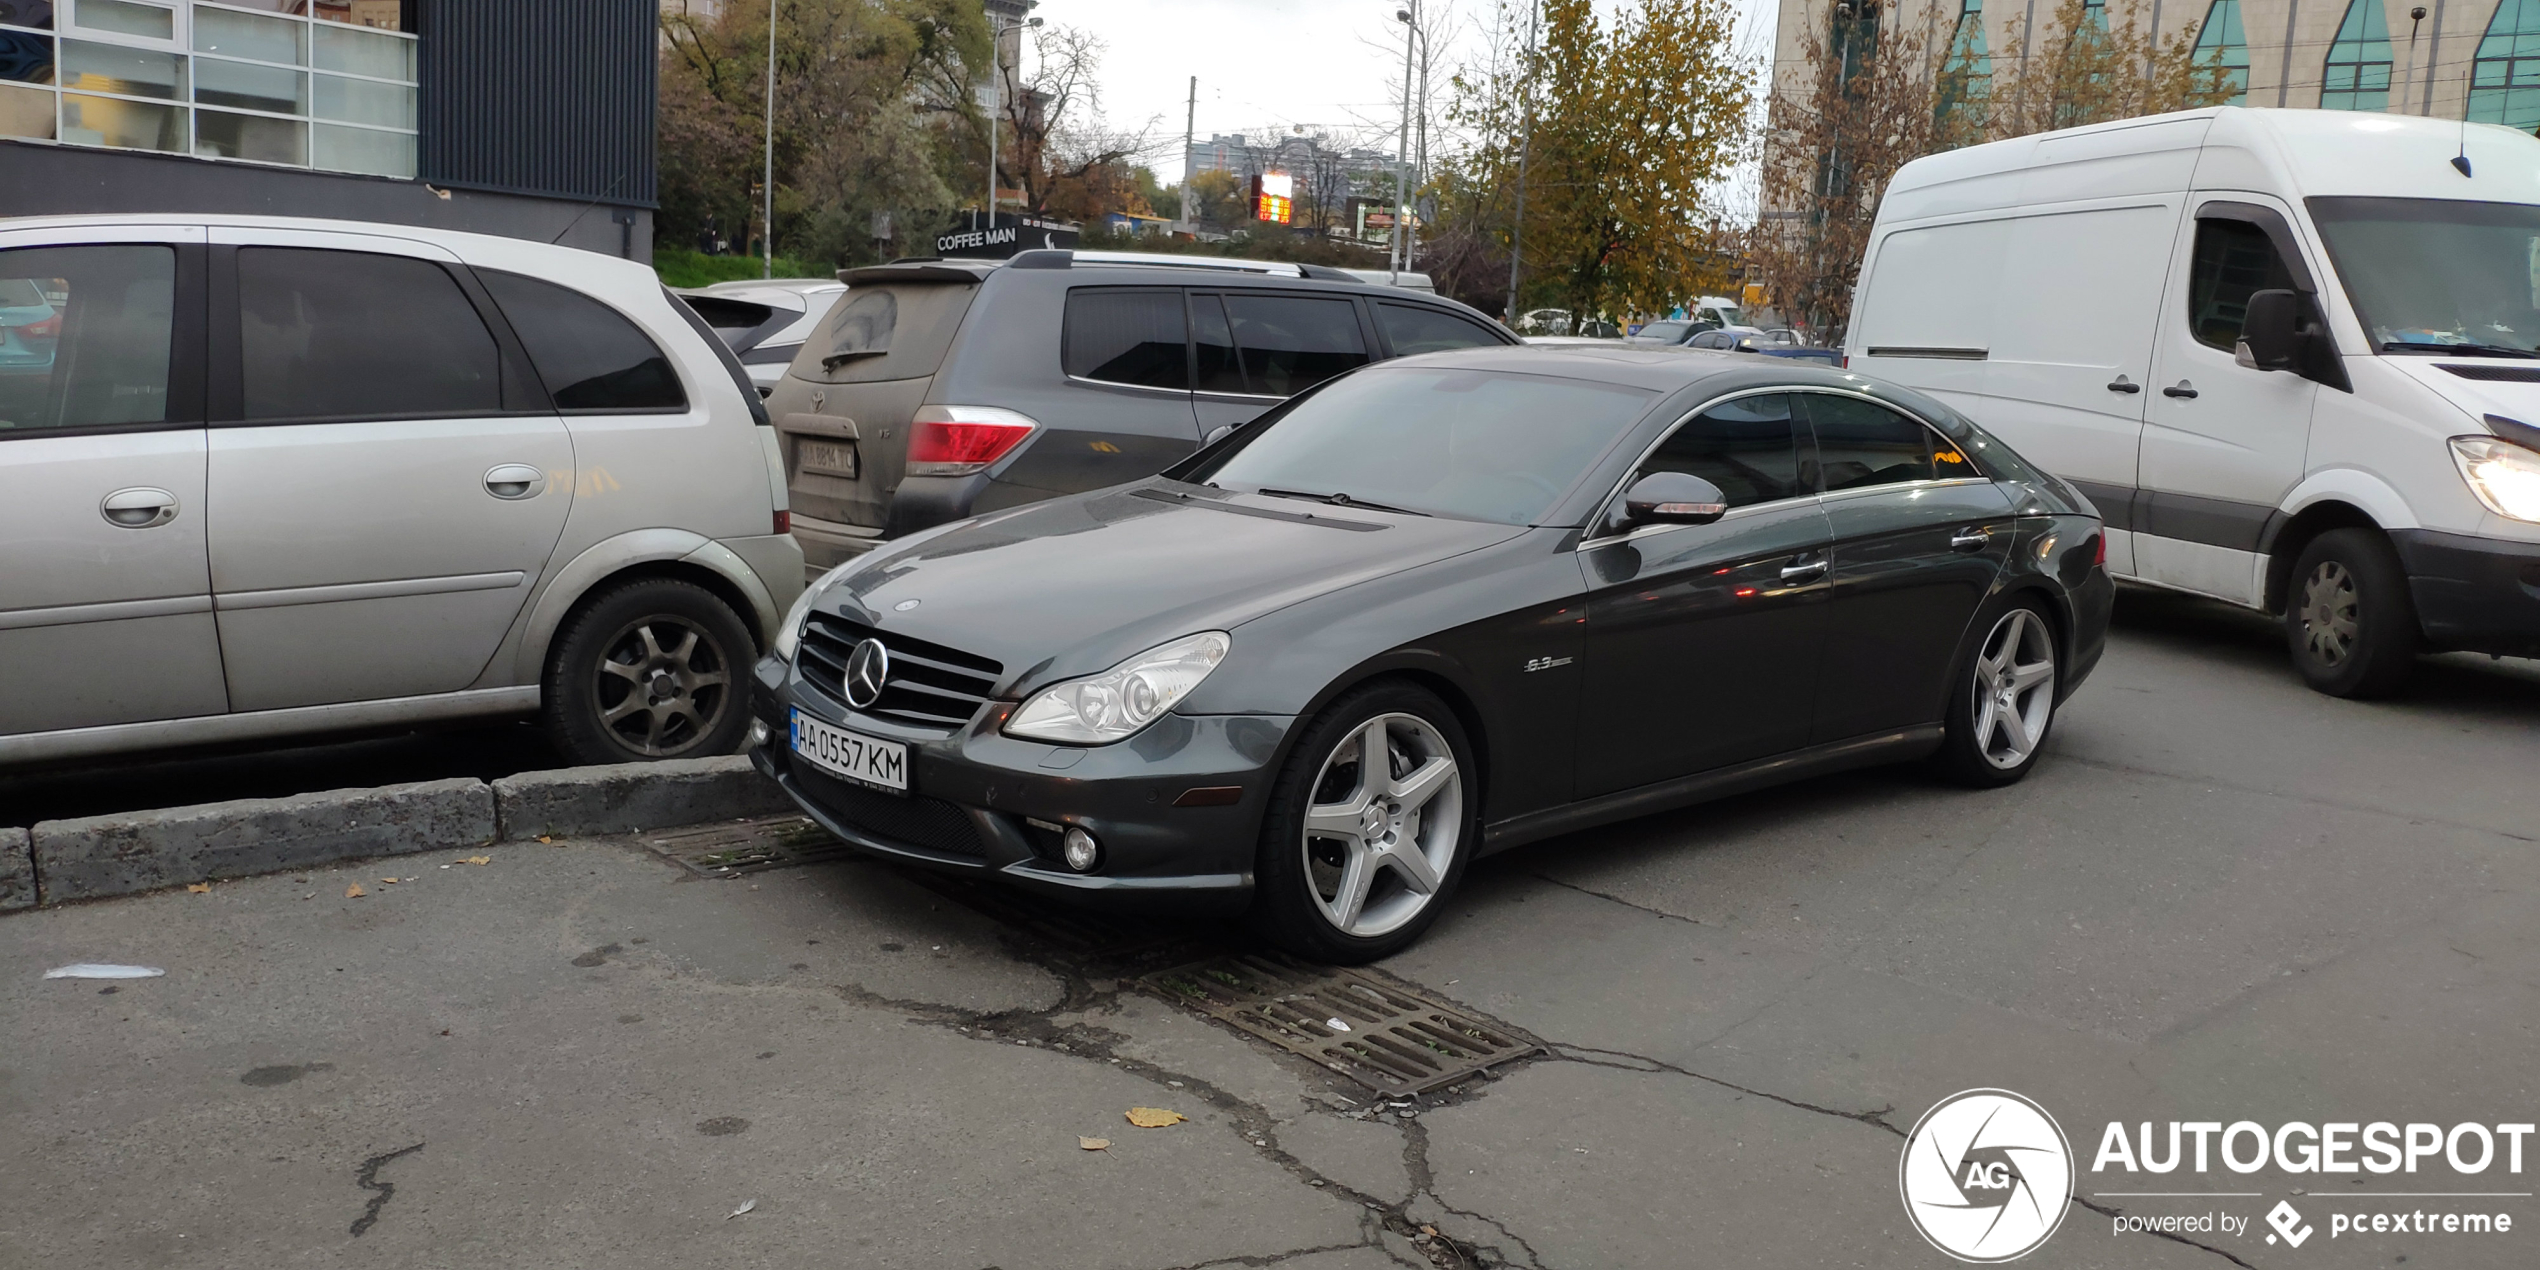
[263, 477]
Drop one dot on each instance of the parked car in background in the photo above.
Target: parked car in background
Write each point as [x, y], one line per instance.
[29, 327]
[2337, 315]
[765, 322]
[1669, 332]
[944, 388]
[1433, 609]
[1779, 343]
[285, 477]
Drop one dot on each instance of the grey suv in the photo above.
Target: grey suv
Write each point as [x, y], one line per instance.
[943, 388]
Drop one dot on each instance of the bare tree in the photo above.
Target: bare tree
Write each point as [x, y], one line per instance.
[1060, 138]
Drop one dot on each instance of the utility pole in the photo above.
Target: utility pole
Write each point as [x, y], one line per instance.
[1525, 147]
[1190, 129]
[767, 178]
[1394, 253]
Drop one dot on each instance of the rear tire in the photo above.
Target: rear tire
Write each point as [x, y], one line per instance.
[2348, 617]
[648, 670]
[2002, 700]
[1352, 870]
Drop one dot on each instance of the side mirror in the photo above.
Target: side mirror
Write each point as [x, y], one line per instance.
[1673, 498]
[2270, 335]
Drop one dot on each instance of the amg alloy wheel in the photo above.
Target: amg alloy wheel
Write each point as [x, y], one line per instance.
[1369, 827]
[2005, 702]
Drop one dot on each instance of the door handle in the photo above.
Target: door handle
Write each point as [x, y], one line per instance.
[140, 507]
[1804, 571]
[1972, 538]
[2182, 390]
[513, 481]
[2124, 385]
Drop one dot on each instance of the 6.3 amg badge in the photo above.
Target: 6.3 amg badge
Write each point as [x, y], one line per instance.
[1986, 1175]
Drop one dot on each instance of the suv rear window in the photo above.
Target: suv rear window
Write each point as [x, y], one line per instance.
[885, 330]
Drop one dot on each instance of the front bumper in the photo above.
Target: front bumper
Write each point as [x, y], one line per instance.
[2478, 595]
[976, 794]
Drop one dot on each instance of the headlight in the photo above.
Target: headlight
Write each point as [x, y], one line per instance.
[789, 633]
[1123, 699]
[2505, 476]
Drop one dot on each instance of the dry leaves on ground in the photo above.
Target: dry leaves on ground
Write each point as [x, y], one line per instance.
[198, 888]
[1154, 1117]
[354, 892]
[478, 859]
[1091, 1144]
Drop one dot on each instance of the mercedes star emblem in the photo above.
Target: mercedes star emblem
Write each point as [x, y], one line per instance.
[868, 668]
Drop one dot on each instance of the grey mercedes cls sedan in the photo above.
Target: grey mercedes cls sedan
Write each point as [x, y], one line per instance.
[1432, 609]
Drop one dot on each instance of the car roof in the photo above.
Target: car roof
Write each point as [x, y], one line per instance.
[1658, 368]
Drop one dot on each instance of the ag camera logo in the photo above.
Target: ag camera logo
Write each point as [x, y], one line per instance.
[1986, 1175]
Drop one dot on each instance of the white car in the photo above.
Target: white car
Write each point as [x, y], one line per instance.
[283, 477]
[765, 322]
[2293, 355]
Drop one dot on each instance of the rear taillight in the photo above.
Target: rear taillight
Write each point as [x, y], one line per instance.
[46, 329]
[784, 523]
[960, 440]
[2099, 551]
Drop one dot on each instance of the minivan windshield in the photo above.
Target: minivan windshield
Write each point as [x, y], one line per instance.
[1474, 445]
[2436, 276]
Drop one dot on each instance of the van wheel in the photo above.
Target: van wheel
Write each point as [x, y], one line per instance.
[2002, 701]
[2348, 617]
[649, 669]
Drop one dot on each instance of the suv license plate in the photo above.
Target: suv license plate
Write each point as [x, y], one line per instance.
[866, 760]
[829, 458]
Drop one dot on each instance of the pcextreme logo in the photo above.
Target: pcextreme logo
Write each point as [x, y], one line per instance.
[1985, 1175]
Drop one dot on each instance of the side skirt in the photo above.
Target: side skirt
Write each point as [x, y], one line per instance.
[1684, 791]
[257, 725]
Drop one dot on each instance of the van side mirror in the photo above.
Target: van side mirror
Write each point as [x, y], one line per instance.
[1673, 498]
[2270, 334]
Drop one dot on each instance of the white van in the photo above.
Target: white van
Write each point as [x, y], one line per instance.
[2288, 352]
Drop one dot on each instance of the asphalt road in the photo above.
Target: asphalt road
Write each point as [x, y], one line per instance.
[2221, 898]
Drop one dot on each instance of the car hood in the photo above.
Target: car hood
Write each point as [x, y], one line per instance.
[1072, 586]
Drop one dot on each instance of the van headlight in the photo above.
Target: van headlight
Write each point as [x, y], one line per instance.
[2505, 476]
[1116, 703]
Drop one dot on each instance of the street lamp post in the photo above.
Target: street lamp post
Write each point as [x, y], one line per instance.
[767, 177]
[1398, 251]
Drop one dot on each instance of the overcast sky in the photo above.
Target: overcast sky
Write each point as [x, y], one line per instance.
[1274, 64]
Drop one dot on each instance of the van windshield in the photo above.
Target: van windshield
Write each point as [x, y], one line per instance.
[2438, 276]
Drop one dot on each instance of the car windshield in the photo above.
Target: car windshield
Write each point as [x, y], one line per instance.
[2429, 274]
[1475, 445]
[1669, 332]
[18, 293]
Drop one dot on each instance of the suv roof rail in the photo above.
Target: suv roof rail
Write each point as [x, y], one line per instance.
[1060, 258]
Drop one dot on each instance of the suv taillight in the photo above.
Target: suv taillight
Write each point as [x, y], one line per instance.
[2099, 557]
[961, 440]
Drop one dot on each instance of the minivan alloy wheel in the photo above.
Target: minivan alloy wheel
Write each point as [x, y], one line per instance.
[2014, 688]
[662, 685]
[2329, 623]
[1382, 829]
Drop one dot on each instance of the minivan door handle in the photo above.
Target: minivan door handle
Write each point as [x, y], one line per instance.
[513, 481]
[2182, 389]
[140, 507]
[2124, 385]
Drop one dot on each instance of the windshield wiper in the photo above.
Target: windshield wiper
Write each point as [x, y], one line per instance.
[831, 361]
[1336, 500]
[2456, 350]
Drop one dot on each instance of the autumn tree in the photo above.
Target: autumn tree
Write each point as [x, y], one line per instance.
[1056, 146]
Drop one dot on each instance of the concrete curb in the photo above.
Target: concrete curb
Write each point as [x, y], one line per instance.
[578, 801]
[100, 856]
[143, 851]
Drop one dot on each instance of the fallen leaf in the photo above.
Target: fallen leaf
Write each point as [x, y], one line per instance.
[1091, 1144]
[544, 838]
[354, 892]
[478, 859]
[1154, 1117]
[198, 888]
[746, 1205]
[388, 880]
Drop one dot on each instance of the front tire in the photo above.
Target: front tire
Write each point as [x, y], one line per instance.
[1369, 827]
[2002, 701]
[2348, 617]
[649, 669]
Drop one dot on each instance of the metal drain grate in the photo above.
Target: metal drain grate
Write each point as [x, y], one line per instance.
[735, 847]
[1398, 1041]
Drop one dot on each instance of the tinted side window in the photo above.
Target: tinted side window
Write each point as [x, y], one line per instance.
[590, 356]
[2233, 260]
[1213, 343]
[1413, 328]
[1861, 443]
[1747, 447]
[84, 335]
[346, 334]
[1128, 337]
[1291, 343]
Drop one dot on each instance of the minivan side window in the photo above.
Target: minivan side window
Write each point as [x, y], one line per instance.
[1127, 337]
[589, 355]
[1290, 343]
[85, 336]
[1413, 328]
[349, 334]
[1747, 447]
[1862, 443]
[2234, 259]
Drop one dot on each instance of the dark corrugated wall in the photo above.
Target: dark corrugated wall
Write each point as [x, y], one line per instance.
[551, 97]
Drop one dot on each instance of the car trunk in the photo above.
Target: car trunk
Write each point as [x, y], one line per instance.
[843, 411]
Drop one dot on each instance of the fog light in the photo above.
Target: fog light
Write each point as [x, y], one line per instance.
[1083, 853]
[758, 733]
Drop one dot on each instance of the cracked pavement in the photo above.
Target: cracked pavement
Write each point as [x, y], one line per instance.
[2222, 897]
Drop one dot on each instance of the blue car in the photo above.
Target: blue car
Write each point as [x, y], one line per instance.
[29, 327]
